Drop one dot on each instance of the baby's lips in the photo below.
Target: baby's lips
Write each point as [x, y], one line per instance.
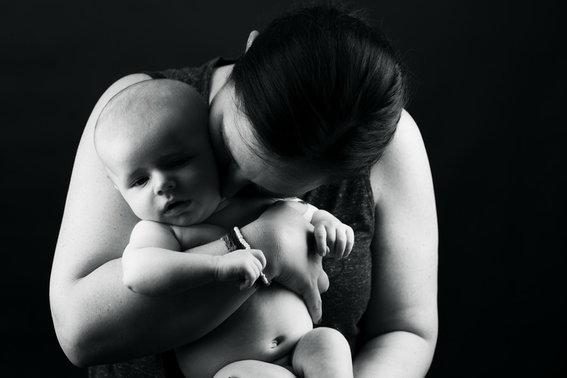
[171, 204]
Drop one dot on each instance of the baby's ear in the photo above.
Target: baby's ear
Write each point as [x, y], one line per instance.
[251, 38]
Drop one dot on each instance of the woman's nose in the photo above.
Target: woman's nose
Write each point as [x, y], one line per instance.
[163, 184]
[232, 181]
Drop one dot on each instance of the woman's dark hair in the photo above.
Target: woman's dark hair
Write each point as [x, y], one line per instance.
[322, 87]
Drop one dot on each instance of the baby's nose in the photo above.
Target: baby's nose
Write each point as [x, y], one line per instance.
[164, 185]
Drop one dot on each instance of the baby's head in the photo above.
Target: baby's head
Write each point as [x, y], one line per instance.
[153, 139]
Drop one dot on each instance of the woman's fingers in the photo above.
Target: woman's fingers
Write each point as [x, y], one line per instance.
[312, 299]
[323, 282]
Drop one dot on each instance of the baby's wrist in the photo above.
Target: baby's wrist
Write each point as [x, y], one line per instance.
[307, 210]
[229, 243]
[310, 212]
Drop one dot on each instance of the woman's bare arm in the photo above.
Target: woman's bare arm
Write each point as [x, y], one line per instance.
[401, 322]
[96, 318]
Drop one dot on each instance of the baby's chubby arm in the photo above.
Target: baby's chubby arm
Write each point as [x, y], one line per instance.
[154, 264]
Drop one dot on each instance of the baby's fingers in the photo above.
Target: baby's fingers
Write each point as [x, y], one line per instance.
[260, 258]
[331, 239]
[320, 233]
[349, 240]
[251, 273]
[246, 284]
[340, 243]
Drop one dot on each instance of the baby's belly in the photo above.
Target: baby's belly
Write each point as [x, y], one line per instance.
[265, 328]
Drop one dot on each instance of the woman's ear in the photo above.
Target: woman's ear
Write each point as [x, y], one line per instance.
[251, 38]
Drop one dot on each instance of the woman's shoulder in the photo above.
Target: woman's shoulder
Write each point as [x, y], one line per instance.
[206, 78]
[404, 167]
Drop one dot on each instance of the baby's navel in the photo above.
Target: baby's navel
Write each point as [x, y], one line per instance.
[277, 341]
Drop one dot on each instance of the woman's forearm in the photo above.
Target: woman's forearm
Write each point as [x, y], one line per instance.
[98, 320]
[394, 354]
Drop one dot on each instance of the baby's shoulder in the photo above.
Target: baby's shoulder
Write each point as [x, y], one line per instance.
[153, 234]
[148, 229]
[147, 225]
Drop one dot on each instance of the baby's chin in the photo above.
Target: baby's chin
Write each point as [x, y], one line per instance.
[183, 221]
[192, 218]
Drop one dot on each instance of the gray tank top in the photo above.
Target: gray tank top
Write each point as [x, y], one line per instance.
[345, 302]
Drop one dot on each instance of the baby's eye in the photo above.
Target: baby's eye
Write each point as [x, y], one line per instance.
[139, 181]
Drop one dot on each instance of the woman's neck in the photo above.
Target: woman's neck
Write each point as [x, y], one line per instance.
[220, 76]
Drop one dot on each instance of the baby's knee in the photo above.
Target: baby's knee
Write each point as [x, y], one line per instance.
[241, 369]
[322, 338]
[323, 352]
[252, 369]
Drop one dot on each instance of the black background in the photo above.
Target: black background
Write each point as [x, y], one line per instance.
[488, 83]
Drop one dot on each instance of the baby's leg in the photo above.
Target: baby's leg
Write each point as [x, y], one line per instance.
[265, 328]
[322, 352]
[253, 369]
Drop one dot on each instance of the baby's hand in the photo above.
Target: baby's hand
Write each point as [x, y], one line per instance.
[331, 235]
[244, 265]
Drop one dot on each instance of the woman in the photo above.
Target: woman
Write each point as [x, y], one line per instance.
[314, 106]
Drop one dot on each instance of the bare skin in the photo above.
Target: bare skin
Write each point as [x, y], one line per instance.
[272, 326]
[265, 328]
[98, 320]
[87, 267]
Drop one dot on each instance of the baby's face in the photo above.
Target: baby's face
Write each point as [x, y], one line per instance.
[166, 172]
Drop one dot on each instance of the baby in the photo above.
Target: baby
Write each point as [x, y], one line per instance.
[153, 140]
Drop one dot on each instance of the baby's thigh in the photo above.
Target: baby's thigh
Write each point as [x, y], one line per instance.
[253, 369]
[265, 328]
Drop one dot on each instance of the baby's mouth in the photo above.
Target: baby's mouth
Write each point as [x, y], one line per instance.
[173, 206]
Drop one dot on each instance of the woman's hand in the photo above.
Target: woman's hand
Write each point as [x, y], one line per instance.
[285, 237]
